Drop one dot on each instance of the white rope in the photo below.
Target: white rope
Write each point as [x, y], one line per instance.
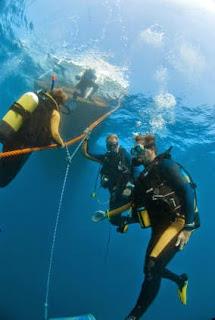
[69, 159]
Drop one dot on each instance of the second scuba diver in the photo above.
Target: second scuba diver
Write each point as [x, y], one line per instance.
[164, 198]
[115, 173]
[86, 87]
[31, 121]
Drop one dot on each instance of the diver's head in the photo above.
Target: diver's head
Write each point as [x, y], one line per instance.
[90, 74]
[145, 149]
[139, 138]
[59, 95]
[112, 143]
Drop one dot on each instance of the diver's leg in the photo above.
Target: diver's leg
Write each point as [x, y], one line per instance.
[9, 168]
[181, 281]
[160, 251]
[149, 290]
[178, 279]
[95, 88]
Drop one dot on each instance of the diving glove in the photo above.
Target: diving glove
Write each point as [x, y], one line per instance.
[99, 216]
[128, 189]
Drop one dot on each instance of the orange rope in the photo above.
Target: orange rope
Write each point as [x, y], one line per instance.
[54, 145]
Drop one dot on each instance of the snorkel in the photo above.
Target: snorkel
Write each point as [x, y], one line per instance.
[53, 80]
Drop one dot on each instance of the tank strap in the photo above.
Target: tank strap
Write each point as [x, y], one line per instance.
[16, 107]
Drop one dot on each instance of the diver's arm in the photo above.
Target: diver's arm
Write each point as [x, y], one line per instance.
[129, 219]
[117, 211]
[127, 159]
[174, 177]
[136, 169]
[54, 126]
[94, 157]
[127, 166]
[101, 215]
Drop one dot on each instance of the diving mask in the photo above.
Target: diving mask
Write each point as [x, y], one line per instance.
[140, 149]
[112, 146]
[137, 150]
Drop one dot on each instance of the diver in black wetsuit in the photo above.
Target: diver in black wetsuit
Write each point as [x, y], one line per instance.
[86, 82]
[32, 121]
[168, 194]
[115, 174]
[164, 199]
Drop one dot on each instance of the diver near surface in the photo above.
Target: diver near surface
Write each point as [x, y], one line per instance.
[86, 87]
[32, 121]
[164, 199]
[115, 173]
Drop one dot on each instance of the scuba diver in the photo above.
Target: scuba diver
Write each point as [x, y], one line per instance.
[115, 173]
[32, 121]
[86, 87]
[137, 167]
[164, 198]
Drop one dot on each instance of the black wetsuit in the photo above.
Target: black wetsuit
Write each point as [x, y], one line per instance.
[167, 192]
[115, 174]
[136, 169]
[35, 132]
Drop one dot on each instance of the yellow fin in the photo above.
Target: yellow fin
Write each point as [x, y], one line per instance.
[182, 293]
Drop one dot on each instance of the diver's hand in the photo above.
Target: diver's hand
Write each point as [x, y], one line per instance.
[126, 192]
[128, 189]
[183, 239]
[87, 132]
[99, 216]
[62, 145]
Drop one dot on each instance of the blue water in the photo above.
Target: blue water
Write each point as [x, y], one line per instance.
[161, 53]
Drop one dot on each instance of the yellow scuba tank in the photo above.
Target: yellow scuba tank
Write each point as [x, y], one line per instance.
[23, 107]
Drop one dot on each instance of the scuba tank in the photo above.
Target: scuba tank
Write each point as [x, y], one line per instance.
[17, 114]
[21, 109]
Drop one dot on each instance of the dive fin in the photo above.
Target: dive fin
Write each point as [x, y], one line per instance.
[182, 289]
